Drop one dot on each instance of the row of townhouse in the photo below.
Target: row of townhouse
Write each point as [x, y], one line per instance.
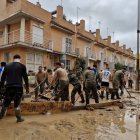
[43, 38]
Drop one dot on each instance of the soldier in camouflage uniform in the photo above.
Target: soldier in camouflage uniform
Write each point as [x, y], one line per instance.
[79, 74]
[118, 80]
[90, 85]
[73, 79]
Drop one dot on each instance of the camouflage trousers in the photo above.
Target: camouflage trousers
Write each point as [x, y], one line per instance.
[116, 86]
[91, 88]
[77, 88]
[62, 91]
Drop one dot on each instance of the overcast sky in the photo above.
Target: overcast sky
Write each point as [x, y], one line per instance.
[118, 16]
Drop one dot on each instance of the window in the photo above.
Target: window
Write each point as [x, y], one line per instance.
[33, 61]
[77, 51]
[68, 45]
[30, 61]
[87, 51]
[7, 57]
[38, 61]
[67, 64]
[37, 35]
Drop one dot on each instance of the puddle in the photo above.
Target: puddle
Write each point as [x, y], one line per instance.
[120, 124]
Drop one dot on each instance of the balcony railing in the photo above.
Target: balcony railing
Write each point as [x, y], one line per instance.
[77, 51]
[106, 59]
[70, 51]
[92, 56]
[26, 37]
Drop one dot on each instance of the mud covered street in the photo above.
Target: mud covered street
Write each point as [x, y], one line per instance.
[109, 123]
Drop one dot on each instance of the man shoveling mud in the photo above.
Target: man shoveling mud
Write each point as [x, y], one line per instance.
[73, 79]
[62, 90]
[118, 80]
[40, 81]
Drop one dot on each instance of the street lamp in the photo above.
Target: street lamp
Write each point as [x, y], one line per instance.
[138, 31]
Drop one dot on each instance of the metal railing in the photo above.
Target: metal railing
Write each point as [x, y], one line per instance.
[106, 59]
[25, 37]
[93, 56]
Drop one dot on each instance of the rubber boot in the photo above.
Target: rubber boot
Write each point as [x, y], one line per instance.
[72, 98]
[3, 111]
[107, 95]
[117, 95]
[73, 102]
[82, 98]
[87, 101]
[96, 100]
[102, 95]
[36, 96]
[121, 93]
[18, 115]
[112, 95]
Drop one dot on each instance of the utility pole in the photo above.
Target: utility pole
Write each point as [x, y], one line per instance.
[89, 23]
[113, 36]
[99, 22]
[61, 2]
[78, 13]
[137, 64]
[107, 31]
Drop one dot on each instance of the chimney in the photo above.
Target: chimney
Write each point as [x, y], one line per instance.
[128, 50]
[38, 4]
[98, 34]
[124, 47]
[59, 12]
[82, 24]
[117, 44]
[109, 40]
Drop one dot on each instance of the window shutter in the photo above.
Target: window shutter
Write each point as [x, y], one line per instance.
[64, 45]
[37, 35]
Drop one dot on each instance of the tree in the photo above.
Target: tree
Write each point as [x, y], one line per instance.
[80, 63]
[119, 66]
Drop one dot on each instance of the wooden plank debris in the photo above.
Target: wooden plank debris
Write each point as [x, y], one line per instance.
[32, 108]
[100, 105]
[41, 107]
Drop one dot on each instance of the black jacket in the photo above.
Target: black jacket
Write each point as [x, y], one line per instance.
[13, 74]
